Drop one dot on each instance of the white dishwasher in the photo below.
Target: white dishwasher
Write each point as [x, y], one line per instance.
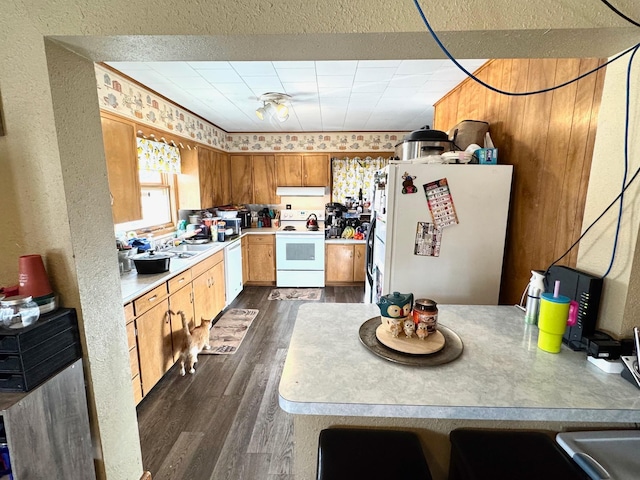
[232, 271]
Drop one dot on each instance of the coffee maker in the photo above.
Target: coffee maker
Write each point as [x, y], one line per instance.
[334, 221]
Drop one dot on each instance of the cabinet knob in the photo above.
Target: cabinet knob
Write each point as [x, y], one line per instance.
[153, 299]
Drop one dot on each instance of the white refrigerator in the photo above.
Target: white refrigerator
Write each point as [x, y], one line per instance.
[442, 239]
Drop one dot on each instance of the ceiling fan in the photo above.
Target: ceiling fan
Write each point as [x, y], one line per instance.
[275, 105]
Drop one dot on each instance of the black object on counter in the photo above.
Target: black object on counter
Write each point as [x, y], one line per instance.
[32, 354]
[152, 262]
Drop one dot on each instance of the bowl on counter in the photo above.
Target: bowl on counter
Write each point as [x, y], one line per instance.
[227, 213]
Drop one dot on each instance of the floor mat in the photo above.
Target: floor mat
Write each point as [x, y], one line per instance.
[295, 294]
[227, 334]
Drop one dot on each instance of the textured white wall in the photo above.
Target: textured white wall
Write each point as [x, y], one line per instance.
[620, 307]
[53, 183]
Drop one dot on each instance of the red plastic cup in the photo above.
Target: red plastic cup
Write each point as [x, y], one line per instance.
[32, 279]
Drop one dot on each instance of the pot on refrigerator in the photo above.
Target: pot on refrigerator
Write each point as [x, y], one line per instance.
[423, 142]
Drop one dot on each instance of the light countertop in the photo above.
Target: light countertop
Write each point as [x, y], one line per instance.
[501, 375]
[134, 285]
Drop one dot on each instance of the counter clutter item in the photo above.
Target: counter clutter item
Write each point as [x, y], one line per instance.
[451, 348]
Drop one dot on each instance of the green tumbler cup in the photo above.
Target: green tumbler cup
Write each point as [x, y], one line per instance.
[552, 321]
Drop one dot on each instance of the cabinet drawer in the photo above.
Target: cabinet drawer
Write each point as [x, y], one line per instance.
[133, 360]
[137, 389]
[128, 312]
[261, 239]
[206, 264]
[148, 300]
[131, 334]
[179, 281]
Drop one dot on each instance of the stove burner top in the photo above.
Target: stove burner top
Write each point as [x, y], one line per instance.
[289, 228]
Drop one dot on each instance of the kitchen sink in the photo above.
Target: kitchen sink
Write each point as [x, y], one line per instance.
[185, 250]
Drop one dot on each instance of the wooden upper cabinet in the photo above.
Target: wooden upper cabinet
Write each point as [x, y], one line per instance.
[196, 182]
[121, 153]
[241, 179]
[289, 170]
[264, 179]
[303, 170]
[222, 179]
[315, 170]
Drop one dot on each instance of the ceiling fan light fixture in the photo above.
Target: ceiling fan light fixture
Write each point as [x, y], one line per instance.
[274, 104]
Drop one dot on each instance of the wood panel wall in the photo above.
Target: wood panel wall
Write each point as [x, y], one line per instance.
[549, 139]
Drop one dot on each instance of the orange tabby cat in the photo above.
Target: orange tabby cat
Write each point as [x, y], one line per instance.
[193, 342]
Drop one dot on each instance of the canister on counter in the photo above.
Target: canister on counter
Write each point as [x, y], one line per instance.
[426, 311]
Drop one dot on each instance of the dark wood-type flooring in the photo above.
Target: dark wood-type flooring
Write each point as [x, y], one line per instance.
[224, 422]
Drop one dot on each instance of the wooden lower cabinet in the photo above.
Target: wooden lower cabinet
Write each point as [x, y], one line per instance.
[359, 254]
[181, 300]
[154, 344]
[344, 263]
[245, 259]
[154, 336]
[208, 293]
[262, 260]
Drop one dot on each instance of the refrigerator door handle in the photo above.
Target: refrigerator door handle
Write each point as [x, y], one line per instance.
[369, 251]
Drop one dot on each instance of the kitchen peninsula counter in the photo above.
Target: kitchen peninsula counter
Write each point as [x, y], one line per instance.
[501, 380]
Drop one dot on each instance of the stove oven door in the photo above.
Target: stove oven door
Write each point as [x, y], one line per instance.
[299, 260]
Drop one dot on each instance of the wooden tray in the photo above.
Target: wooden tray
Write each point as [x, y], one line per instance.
[415, 346]
[452, 348]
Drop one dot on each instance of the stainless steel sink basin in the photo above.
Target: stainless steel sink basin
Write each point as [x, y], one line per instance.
[185, 247]
[186, 250]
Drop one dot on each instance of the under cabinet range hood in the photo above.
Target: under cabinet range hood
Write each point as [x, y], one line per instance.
[301, 191]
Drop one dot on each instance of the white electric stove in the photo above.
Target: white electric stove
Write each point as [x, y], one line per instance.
[300, 250]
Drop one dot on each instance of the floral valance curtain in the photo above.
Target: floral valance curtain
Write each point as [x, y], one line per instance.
[352, 174]
[158, 156]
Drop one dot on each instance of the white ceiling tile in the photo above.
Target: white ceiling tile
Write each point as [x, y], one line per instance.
[374, 74]
[210, 65]
[250, 69]
[286, 65]
[409, 80]
[334, 92]
[297, 75]
[264, 84]
[420, 67]
[364, 98]
[335, 81]
[191, 82]
[174, 69]
[303, 88]
[370, 87]
[221, 76]
[397, 92]
[235, 88]
[345, 67]
[379, 63]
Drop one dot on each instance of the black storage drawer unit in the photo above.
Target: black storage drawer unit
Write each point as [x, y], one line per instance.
[31, 355]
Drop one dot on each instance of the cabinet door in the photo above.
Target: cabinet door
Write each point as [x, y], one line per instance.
[222, 179]
[289, 170]
[154, 344]
[207, 171]
[264, 179]
[218, 287]
[241, 179]
[245, 259]
[121, 153]
[359, 252]
[203, 298]
[339, 263]
[315, 171]
[180, 300]
[262, 267]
